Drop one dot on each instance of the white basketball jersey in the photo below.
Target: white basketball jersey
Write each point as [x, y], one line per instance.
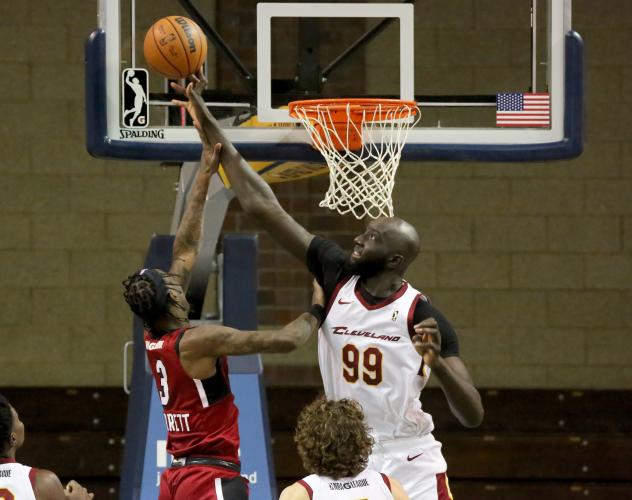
[15, 482]
[368, 485]
[366, 353]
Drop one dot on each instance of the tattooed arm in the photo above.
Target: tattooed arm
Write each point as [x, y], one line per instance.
[202, 345]
[186, 244]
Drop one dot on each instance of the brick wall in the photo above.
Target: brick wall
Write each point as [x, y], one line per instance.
[532, 263]
[71, 226]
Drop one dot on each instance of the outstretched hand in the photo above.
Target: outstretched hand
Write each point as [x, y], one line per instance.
[210, 157]
[194, 103]
[427, 341]
[197, 84]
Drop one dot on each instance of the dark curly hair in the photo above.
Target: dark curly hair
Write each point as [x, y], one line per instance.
[140, 294]
[6, 424]
[147, 295]
[333, 438]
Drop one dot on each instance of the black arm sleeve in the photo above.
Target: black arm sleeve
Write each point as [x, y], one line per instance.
[449, 339]
[326, 261]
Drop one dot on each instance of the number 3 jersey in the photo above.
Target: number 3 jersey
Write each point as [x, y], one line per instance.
[200, 415]
[366, 353]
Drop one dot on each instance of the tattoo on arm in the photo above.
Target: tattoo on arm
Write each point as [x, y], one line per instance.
[214, 341]
[187, 240]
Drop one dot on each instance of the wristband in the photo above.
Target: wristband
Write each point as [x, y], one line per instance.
[318, 312]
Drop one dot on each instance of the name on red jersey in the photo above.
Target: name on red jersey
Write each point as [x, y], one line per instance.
[151, 346]
[177, 422]
[343, 330]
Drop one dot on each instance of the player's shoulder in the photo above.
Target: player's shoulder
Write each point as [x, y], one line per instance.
[295, 491]
[320, 245]
[47, 485]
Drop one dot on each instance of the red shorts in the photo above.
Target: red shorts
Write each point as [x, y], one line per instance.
[202, 482]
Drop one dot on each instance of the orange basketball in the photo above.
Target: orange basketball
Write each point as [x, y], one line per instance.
[175, 47]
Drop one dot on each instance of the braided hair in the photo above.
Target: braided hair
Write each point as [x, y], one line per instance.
[6, 424]
[147, 295]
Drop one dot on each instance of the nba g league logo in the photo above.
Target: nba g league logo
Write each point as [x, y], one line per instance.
[135, 113]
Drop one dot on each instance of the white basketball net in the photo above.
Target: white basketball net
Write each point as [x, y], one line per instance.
[360, 182]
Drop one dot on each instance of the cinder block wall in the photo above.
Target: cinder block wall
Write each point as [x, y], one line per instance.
[532, 263]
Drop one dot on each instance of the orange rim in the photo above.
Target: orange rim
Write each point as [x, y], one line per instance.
[341, 112]
[337, 108]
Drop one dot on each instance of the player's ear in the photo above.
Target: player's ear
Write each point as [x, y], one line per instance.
[394, 261]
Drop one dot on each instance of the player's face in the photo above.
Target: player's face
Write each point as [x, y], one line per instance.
[18, 429]
[370, 250]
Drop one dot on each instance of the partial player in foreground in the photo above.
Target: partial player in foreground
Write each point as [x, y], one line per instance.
[334, 444]
[190, 367]
[381, 338]
[21, 482]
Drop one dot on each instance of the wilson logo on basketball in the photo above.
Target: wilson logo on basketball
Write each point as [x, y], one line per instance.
[186, 27]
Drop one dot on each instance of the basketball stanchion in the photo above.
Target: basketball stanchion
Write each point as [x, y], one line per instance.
[361, 141]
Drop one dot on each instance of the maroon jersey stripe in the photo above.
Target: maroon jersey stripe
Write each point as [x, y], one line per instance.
[33, 477]
[443, 490]
[307, 487]
[411, 315]
[387, 481]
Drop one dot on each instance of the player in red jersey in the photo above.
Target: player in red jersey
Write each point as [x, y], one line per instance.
[190, 368]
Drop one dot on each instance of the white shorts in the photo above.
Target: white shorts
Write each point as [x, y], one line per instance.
[417, 463]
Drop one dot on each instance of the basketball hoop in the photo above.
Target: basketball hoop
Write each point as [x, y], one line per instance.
[361, 141]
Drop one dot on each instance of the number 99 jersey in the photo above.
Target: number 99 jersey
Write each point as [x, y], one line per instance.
[365, 353]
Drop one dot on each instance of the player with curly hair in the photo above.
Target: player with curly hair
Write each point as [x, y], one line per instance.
[190, 367]
[334, 444]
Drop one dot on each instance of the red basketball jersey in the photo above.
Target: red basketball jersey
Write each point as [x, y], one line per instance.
[200, 415]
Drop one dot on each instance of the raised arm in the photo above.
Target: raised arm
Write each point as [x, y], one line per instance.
[254, 194]
[187, 241]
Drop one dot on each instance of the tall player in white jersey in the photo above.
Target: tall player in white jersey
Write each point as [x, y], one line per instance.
[20, 482]
[381, 338]
[334, 444]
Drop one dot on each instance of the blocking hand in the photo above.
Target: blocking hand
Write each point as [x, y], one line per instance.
[194, 103]
[210, 157]
[427, 341]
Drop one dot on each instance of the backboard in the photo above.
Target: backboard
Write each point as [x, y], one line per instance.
[496, 81]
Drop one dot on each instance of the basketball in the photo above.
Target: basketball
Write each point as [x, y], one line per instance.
[175, 47]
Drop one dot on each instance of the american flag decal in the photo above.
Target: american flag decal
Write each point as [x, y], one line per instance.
[523, 110]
